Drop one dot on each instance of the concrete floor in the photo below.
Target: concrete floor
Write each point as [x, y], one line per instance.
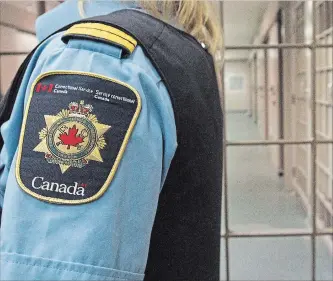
[259, 201]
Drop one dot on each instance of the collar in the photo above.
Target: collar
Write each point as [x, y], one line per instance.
[68, 12]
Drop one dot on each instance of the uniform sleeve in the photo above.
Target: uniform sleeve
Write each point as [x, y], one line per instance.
[73, 214]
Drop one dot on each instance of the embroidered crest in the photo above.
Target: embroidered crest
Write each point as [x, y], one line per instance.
[73, 137]
[74, 134]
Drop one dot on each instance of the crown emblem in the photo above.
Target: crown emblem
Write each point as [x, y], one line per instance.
[73, 137]
[80, 108]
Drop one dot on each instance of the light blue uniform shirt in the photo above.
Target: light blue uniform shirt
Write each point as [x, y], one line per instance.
[107, 239]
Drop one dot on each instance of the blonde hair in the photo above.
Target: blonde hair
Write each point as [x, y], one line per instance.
[194, 16]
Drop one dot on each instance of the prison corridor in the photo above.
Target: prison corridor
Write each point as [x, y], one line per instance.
[260, 202]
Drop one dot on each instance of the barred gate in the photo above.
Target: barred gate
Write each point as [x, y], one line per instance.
[309, 170]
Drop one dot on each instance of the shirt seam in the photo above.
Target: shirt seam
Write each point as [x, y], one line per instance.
[158, 36]
[69, 270]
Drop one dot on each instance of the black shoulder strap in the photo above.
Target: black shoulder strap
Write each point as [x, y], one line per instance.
[142, 26]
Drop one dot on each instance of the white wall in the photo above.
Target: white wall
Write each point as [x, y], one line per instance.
[12, 40]
[17, 27]
[237, 100]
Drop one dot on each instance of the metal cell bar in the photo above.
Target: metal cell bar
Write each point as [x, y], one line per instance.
[225, 177]
[314, 136]
[281, 93]
[266, 96]
[312, 142]
[13, 53]
[225, 170]
[277, 142]
[279, 46]
[13, 26]
[331, 113]
[291, 233]
[264, 46]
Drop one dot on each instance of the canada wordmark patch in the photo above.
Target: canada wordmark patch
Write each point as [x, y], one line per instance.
[74, 133]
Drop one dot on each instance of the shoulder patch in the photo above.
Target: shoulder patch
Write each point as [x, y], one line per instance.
[75, 130]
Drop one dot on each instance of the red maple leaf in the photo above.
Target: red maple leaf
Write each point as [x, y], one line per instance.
[71, 138]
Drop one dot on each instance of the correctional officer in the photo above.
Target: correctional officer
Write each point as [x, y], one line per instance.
[111, 158]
